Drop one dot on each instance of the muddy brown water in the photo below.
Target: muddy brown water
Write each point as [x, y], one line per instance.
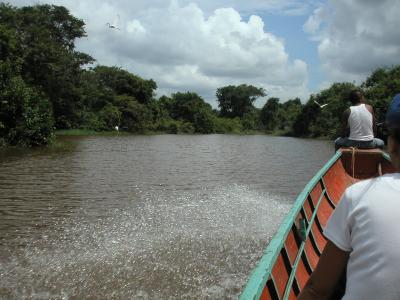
[145, 217]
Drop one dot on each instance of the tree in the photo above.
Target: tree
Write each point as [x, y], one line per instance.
[122, 82]
[235, 101]
[192, 108]
[287, 114]
[301, 126]
[25, 112]
[135, 116]
[269, 114]
[380, 87]
[314, 121]
[44, 49]
[25, 115]
[111, 96]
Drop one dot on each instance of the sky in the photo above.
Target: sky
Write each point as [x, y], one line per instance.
[291, 48]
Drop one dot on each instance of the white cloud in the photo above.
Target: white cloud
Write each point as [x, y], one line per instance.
[359, 36]
[286, 7]
[314, 22]
[184, 48]
[135, 27]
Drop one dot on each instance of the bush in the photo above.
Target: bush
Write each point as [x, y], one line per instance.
[251, 120]
[134, 116]
[92, 121]
[227, 125]
[204, 122]
[185, 127]
[25, 115]
[175, 126]
[110, 117]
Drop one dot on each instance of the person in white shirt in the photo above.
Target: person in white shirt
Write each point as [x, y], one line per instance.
[358, 125]
[363, 234]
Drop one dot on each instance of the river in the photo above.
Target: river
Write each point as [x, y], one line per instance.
[145, 217]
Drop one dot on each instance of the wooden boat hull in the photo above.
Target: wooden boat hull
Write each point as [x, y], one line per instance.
[294, 251]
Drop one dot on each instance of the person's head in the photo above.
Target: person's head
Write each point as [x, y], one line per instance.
[356, 96]
[393, 125]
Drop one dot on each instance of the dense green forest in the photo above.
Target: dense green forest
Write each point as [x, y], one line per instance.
[45, 84]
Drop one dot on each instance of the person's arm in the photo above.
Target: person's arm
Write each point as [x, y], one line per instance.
[371, 110]
[345, 126]
[326, 275]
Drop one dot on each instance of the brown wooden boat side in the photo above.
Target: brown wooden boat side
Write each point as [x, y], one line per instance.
[301, 250]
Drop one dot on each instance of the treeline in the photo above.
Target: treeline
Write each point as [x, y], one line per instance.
[45, 84]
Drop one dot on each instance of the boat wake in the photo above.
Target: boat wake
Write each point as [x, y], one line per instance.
[194, 245]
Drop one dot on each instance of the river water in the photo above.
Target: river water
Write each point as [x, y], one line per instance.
[145, 217]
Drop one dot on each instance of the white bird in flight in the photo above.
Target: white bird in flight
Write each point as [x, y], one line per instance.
[114, 25]
[321, 106]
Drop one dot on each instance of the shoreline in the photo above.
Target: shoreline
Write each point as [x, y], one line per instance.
[57, 143]
[85, 132]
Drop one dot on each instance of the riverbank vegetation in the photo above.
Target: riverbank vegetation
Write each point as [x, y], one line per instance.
[47, 86]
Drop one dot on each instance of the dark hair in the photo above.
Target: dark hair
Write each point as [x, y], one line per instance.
[355, 96]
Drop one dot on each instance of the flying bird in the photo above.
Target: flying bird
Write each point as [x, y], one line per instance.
[114, 25]
[321, 106]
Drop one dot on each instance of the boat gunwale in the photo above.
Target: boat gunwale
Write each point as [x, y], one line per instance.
[259, 276]
[386, 156]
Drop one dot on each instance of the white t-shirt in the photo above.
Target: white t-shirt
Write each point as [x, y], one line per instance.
[366, 223]
[360, 123]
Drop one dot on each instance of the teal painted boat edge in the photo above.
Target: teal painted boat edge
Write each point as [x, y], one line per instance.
[386, 156]
[260, 274]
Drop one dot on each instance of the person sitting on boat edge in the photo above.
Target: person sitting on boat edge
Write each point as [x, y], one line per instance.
[363, 235]
[358, 125]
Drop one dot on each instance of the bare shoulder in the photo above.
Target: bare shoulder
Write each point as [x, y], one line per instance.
[370, 108]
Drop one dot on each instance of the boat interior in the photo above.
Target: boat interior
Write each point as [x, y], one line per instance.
[299, 244]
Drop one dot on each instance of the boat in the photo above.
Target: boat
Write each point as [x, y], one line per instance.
[294, 251]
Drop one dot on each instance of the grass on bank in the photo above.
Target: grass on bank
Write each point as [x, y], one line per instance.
[87, 132]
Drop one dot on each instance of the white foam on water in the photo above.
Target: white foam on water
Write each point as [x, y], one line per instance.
[161, 244]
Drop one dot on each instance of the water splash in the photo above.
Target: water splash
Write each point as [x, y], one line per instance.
[159, 244]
